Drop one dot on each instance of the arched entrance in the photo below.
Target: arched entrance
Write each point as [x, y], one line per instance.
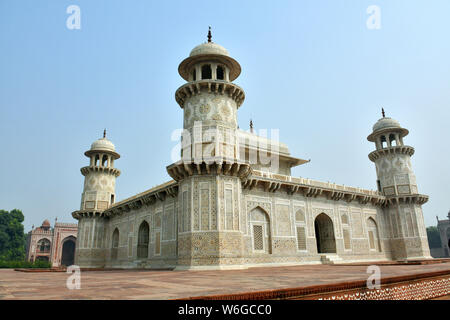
[326, 242]
[68, 252]
[143, 239]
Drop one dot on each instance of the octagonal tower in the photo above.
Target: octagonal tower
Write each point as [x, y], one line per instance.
[397, 181]
[98, 195]
[210, 171]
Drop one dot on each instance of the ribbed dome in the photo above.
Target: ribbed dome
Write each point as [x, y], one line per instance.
[385, 123]
[209, 48]
[103, 144]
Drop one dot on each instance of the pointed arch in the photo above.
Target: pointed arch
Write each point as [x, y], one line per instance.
[44, 245]
[346, 231]
[68, 251]
[344, 219]
[373, 235]
[115, 244]
[260, 230]
[324, 229]
[300, 216]
[143, 240]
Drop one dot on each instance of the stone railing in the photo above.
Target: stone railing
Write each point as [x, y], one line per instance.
[311, 188]
[148, 197]
[314, 183]
[41, 231]
[66, 225]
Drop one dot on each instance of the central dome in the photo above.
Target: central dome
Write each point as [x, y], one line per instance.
[209, 48]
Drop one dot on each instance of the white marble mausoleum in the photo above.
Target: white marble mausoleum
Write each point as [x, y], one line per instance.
[232, 202]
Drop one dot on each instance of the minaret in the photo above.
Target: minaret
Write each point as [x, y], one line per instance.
[210, 168]
[210, 101]
[397, 181]
[100, 175]
[98, 195]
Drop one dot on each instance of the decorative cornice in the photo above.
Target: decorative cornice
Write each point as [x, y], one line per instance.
[405, 199]
[147, 198]
[250, 179]
[214, 165]
[95, 152]
[87, 214]
[310, 188]
[210, 86]
[89, 169]
[377, 154]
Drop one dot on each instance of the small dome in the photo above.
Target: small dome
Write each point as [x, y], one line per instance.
[385, 123]
[103, 144]
[46, 223]
[209, 48]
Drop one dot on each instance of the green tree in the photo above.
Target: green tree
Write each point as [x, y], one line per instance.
[12, 236]
[434, 239]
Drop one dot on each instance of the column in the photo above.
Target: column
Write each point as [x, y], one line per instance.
[388, 141]
[213, 71]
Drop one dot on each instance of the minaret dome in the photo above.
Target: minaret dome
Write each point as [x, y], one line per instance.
[209, 61]
[387, 132]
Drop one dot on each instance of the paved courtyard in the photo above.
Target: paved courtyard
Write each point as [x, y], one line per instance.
[143, 284]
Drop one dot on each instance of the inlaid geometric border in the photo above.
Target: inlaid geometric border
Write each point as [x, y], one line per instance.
[409, 287]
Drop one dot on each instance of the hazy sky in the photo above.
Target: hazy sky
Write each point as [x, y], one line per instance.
[309, 68]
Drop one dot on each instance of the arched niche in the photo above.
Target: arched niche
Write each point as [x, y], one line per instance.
[325, 239]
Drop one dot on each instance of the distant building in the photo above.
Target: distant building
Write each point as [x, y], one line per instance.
[56, 245]
[444, 231]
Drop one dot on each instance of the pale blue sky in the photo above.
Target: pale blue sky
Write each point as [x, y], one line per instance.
[310, 68]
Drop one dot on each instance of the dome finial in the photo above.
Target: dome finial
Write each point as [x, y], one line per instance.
[382, 112]
[209, 34]
[104, 133]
